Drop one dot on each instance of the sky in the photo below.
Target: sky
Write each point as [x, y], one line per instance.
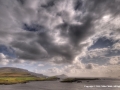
[79, 38]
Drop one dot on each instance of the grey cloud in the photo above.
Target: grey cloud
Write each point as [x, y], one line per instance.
[28, 47]
[101, 55]
[21, 1]
[49, 4]
[101, 60]
[34, 28]
[78, 4]
[30, 29]
[103, 6]
[77, 33]
[55, 50]
[89, 66]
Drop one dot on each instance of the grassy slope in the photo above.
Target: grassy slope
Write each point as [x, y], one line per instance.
[15, 80]
[14, 74]
[13, 77]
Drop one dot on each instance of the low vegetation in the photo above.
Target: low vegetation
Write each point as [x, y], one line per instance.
[9, 74]
[15, 80]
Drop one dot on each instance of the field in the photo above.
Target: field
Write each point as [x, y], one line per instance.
[14, 78]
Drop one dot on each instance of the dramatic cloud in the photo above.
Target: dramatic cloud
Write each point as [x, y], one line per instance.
[59, 31]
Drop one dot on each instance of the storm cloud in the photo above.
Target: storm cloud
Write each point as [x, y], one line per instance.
[58, 31]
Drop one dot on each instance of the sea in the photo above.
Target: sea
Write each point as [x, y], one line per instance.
[56, 85]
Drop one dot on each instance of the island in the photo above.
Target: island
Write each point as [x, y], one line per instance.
[69, 80]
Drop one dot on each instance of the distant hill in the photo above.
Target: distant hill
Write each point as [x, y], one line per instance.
[37, 75]
[62, 76]
[11, 71]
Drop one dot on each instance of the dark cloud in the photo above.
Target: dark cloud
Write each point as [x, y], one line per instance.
[49, 4]
[31, 51]
[89, 66]
[33, 27]
[28, 47]
[77, 33]
[22, 2]
[78, 4]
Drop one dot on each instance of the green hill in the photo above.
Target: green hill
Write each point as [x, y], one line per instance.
[17, 72]
[11, 75]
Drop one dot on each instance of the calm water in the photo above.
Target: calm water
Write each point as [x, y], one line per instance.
[56, 85]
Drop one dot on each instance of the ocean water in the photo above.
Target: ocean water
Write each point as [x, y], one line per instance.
[56, 85]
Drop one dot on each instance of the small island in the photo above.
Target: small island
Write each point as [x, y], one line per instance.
[87, 79]
[69, 80]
